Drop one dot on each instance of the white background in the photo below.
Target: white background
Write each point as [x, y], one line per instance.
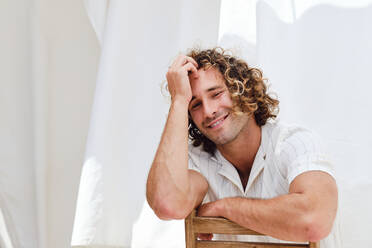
[48, 65]
[48, 72]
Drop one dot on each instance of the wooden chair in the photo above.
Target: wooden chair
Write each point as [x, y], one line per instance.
[195, 225]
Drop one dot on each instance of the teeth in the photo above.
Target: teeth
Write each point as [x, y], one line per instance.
[215, 124]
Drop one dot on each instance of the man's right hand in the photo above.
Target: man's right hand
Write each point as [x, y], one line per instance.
[173, 190]
[178, 77]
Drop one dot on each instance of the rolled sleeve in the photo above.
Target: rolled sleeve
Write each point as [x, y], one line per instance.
[300, 151]
[309, 163]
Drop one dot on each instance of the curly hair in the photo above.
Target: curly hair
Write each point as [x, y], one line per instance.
[246, 86]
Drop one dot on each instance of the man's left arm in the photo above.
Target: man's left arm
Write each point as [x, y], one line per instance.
[306, 213]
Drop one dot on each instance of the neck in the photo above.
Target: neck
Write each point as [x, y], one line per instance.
[242, 151]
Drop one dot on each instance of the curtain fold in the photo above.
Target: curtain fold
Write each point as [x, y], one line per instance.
[18, 205]
[139, 40]
[97, 13]
[316, 57]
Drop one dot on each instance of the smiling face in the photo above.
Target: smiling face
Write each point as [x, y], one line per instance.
[211, 107]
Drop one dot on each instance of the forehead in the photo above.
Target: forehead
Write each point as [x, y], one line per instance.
[206, 79]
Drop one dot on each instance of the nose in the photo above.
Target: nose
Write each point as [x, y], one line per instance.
[210, 109]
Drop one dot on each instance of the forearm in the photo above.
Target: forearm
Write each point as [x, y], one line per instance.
[287, 217]
[168, 179]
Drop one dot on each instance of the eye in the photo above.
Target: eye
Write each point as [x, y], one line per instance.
[196, 105]
[217, 94]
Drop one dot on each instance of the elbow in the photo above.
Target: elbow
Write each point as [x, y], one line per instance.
[314, 233]
[166, 207]
[316, 229]
[166, 211]
[166, 204]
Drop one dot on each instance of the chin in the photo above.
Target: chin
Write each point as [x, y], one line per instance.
[222, 140]
[225, 139]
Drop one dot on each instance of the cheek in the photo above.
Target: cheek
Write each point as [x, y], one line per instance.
[196, 117]
[226, 101]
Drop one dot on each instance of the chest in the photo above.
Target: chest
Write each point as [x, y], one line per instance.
[267, 184]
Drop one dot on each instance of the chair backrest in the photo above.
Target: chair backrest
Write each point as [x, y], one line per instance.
[195, 225]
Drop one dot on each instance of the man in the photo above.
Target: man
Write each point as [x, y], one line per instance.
[265, 176]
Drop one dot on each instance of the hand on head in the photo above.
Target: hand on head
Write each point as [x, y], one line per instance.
[178, 75]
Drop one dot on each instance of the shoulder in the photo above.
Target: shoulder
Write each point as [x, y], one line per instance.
[294, 140]
[196, 151]
[297, 149]
[197, 154]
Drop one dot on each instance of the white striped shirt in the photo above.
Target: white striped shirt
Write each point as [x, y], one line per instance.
[284, 153]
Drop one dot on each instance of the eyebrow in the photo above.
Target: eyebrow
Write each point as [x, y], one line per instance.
[208, 90]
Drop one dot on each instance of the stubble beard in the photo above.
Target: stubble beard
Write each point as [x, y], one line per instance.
[231, 132]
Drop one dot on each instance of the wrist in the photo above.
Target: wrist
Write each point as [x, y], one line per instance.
[180, 102]
[222, 207]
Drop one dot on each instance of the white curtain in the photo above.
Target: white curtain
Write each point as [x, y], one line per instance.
[18, 201]
[139, 39]
[316, 56]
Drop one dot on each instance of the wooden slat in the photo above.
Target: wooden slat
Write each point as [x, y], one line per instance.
[220, 226]
[190, 235]
[236, 244]
[314, 245]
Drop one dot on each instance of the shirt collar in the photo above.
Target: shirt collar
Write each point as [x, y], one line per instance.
[229, 171]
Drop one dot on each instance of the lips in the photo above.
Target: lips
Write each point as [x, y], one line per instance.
[217, 122]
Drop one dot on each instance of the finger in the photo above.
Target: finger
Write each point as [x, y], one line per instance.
[181, 60]
[190, 68]
[189, 59]
[202, 209]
